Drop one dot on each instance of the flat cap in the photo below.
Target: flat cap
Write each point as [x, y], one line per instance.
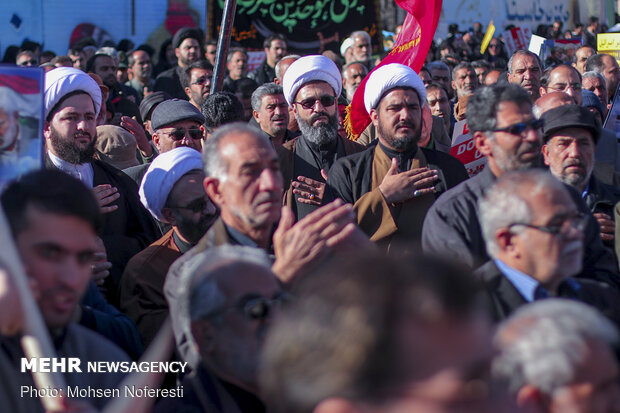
[175, 110]
[186, 33]
[569, 116]
[150, 101]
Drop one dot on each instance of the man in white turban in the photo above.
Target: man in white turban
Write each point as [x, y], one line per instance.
[394, 183]
[72, 102]
[173, 192]
[312, 85]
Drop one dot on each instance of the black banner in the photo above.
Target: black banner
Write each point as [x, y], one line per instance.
[311, 26]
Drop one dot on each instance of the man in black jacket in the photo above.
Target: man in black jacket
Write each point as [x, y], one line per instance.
[393, 184]
[506, 132]
[275, 49]
[187, 43]
[72, 102]
[535, 234]
[570, 136]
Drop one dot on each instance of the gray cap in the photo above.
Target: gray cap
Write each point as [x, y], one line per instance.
[175, 110]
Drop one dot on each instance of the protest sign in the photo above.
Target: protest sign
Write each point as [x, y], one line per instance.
[609, 43]
[21, 121]
[464, 149]
[517, 38]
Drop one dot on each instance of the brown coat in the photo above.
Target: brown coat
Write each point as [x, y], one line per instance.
[142, 286]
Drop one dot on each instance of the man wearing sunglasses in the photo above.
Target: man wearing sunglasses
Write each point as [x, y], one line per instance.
[534, 233]
[226, 301]
[173, 193]
[571, 134]
[311, 86]
[196, 81]
[506, 132]
[393, 183]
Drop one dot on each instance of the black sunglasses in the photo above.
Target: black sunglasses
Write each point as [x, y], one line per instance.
[255, 308]
[326, 102]
[519, 128]
[179, 134]
[196, 206]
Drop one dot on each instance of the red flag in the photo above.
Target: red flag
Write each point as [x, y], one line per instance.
[412, 45]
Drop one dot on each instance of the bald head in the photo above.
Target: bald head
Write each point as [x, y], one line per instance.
[550, 101]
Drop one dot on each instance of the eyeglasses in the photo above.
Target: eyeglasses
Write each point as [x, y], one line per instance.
[179, 134]
[196, 206]
[255, 308]
[577, 221]
[202, 81]
[564, 87]
[31, 62]
[519, 128]
[326, 101]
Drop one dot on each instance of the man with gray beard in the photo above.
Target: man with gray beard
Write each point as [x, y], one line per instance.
[311, 86]
[393, 183]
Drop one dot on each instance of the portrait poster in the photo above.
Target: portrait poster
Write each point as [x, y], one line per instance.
[21, 122]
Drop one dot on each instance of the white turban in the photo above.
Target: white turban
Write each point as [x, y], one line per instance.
[348, 42]
[310, 69]
[165, 170]
[389, 77]
[61, 81]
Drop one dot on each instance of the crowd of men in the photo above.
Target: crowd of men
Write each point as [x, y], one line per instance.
[307, 270]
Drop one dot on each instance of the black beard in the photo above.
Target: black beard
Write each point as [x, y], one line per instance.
[399, 144]
[323, 134]
[69, 151]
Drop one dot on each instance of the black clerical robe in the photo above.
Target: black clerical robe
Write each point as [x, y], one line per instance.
[356, 179]
[298, 157]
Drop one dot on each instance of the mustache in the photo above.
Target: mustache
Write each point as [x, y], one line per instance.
[574, 162]
[81, 134]
[529, 146]
[318, 115]
[266, 197]
[404, 123]
[572, 247]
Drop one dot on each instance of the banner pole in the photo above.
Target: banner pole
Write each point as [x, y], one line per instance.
[228, 19]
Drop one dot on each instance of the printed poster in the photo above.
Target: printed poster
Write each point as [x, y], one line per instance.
[21, 122]
[464, 149]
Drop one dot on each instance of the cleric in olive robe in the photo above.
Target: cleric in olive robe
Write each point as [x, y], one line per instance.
[393, 183]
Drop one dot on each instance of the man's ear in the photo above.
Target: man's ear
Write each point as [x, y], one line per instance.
[374, 118]
[168, 216]
[188, 92]
[212, 188]
[453, 84]
[255, 115]
[155, 138]
[504, 239]
[530, 399]
[483, 143]
[542, 91]
[47, 128]
[545, 152]
[336, 405]
[177, 52]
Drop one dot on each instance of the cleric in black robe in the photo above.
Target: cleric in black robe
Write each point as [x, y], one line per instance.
[393, 184]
